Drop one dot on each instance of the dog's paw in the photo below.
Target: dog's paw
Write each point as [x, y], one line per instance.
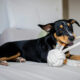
[20, 59]
[73, 63]
[5, 63]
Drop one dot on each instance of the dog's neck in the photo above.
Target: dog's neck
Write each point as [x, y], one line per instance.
[51, 40]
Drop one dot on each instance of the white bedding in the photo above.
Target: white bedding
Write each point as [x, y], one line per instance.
[38, 71]
[33, 70]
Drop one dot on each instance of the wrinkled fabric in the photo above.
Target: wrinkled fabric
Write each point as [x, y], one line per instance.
[38, 71]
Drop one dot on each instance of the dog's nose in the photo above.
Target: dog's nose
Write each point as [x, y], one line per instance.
[71, 38]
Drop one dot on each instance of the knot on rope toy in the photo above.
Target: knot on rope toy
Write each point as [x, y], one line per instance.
[55, 57]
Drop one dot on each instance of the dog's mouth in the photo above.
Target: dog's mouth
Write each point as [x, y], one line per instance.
[65, 43]
[63, 40]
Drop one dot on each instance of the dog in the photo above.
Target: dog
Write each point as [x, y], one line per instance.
[60, 31]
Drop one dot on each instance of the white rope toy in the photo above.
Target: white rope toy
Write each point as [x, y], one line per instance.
[56, 56]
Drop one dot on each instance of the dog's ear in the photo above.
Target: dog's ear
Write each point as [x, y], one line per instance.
[72, 21]
[46, 27]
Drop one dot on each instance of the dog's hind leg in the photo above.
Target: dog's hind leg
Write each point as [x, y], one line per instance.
[16, 58]
[10, 58]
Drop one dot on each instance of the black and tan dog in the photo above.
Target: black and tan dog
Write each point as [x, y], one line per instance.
[37, 50]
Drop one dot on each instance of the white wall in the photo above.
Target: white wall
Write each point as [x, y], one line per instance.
[74, 12]
[29, 13]
[74, 6]
[3, 16]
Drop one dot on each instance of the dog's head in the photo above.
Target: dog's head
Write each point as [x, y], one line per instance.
[62, 30]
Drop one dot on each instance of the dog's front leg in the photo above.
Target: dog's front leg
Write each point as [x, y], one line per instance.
[68, 56]
[72, 57]
[72, 60]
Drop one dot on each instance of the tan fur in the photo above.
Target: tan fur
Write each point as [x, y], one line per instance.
[63, 40]
[67, 54]
[75, 57]
[74, 35]
[10, 58]
[68, 24]
[65, 61]
[72, 21]
[61, 26]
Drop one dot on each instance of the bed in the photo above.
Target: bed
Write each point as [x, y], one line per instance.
[33, 70]
[38, 71]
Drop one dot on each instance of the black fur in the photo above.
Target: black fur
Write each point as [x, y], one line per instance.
[37, 50]
[33, 50]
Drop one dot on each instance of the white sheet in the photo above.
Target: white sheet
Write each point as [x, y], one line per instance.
[38, 71]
